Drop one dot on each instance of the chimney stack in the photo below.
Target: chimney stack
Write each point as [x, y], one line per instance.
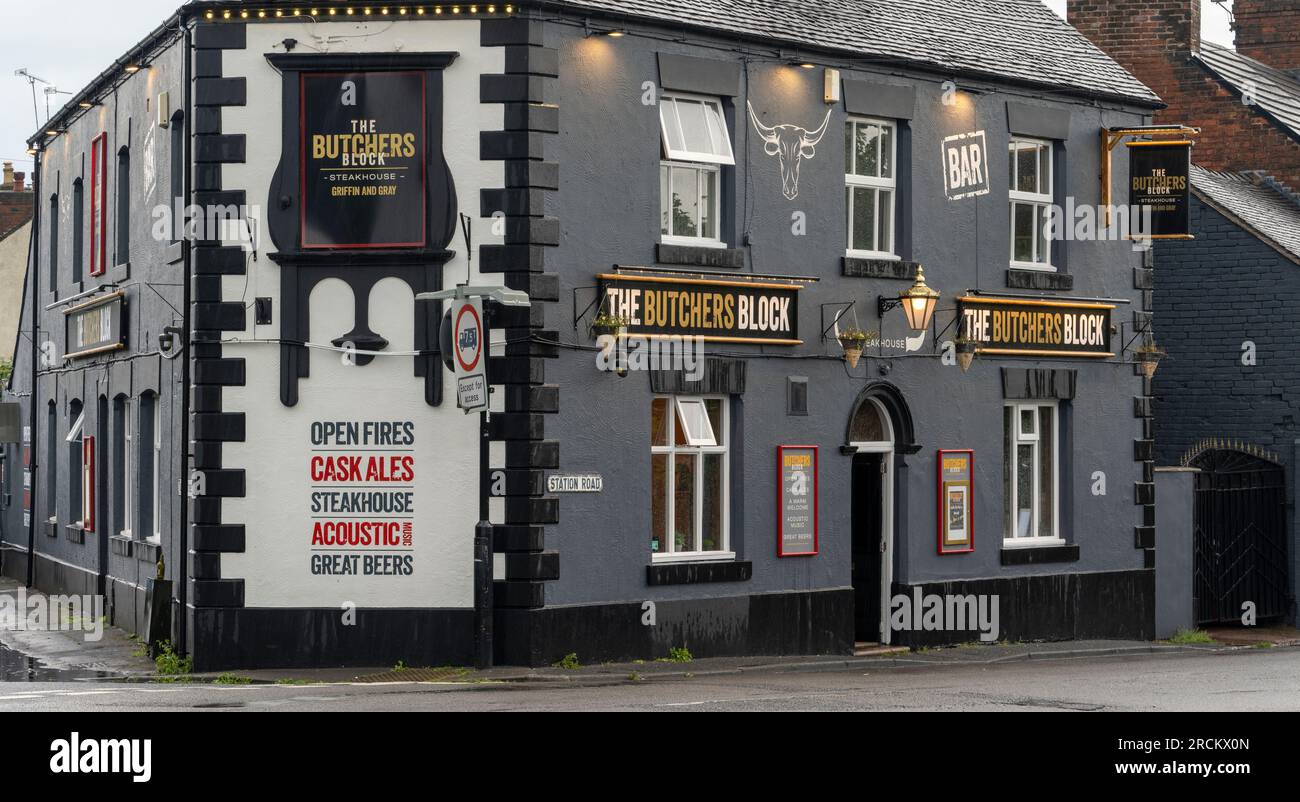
[20, 182]
[8, 182]
[1269, 31]
[1140, 34]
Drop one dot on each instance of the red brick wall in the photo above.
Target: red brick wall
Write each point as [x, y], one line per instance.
[15, 209]
[1154, 40]
[1269, 31]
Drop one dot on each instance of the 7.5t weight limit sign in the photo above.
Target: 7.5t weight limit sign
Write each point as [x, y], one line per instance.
[469, 348]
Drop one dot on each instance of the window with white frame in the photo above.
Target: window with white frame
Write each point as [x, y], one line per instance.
[1030, 473]
[870, 149]
[1031, 203]
[696, 143]
[81, 462]
[689, 478]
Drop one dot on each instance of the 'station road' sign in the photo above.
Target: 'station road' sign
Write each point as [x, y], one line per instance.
[468, 344]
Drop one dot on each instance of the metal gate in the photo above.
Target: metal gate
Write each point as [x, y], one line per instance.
[1240, 537]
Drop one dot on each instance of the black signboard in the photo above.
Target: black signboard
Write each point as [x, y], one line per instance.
[1159, 180]
[1037, 328]
[718, 311]
[96, 326]
[363, 160]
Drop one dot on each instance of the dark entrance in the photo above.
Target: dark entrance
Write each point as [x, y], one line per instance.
[868, 545]
[1240, 537]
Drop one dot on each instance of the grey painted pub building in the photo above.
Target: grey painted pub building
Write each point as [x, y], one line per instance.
[756, 179]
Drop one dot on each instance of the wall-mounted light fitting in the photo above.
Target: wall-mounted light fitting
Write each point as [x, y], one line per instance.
[832, 90]
[918, 303]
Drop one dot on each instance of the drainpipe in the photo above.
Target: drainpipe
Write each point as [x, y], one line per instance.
[34, 280]
[183, 586]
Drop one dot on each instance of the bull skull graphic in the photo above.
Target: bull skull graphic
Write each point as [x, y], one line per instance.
[793, 144]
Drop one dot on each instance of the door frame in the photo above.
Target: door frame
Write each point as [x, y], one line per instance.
[886, 450]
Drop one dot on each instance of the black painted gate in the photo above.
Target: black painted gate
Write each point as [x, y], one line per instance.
[1240, 537]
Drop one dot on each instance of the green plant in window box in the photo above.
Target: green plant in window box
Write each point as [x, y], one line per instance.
[608, 325]
[853, 341]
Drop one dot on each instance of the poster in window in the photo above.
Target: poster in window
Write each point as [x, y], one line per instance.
[363, 160]
[797, 510]
[956, 502]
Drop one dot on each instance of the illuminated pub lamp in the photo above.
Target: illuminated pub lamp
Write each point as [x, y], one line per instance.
[918, 303]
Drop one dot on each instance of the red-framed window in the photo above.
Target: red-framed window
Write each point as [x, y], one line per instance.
[99, 205]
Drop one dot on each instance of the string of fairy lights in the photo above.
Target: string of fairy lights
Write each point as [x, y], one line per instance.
[359, 11]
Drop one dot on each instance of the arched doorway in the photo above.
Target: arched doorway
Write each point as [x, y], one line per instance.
[880, 428]
[1240, 534]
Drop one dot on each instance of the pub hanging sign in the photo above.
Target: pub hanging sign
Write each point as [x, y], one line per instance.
[1020, 327]
[96, 327]
[363, 160]
[717, 310]
[1159, 181]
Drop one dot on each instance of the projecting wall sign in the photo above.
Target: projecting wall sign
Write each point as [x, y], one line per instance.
[965, 166]
[1159, 179]
[792, 145]
[1037, 328]
[363, 151]
[718, 311]
[97, 326]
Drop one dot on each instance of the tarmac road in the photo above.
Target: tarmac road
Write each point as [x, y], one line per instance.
[1247, 680]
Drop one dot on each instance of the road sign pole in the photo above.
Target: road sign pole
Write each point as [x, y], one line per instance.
[469, 361]
[483, 560]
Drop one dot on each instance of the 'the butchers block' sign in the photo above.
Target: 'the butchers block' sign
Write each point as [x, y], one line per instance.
[363, 157]
[718, 311]
[1159, 180]
[1037, 328]
[96, 327]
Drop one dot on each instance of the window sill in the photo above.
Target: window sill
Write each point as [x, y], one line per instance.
[1034, 267]
[1039, 554]
[886, 267]
[879, 256]
[122, 545]
[1050, 280]
[693, 242]
[710, 255]
[76, 533]
[661, 574]
[694, 557]
[52, 528]
[147, 552]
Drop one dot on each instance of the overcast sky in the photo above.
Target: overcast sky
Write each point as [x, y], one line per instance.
[69, 42]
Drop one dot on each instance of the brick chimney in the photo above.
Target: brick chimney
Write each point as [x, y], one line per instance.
[20, 182]
[1269, 31]
[8, 182]
[1140, 34]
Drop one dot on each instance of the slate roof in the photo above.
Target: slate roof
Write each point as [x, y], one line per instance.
[1251, 200]
[1277, 92]
[1021, 40]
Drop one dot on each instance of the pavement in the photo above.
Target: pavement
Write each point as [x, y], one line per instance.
[1182, 680]
[67, 654]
